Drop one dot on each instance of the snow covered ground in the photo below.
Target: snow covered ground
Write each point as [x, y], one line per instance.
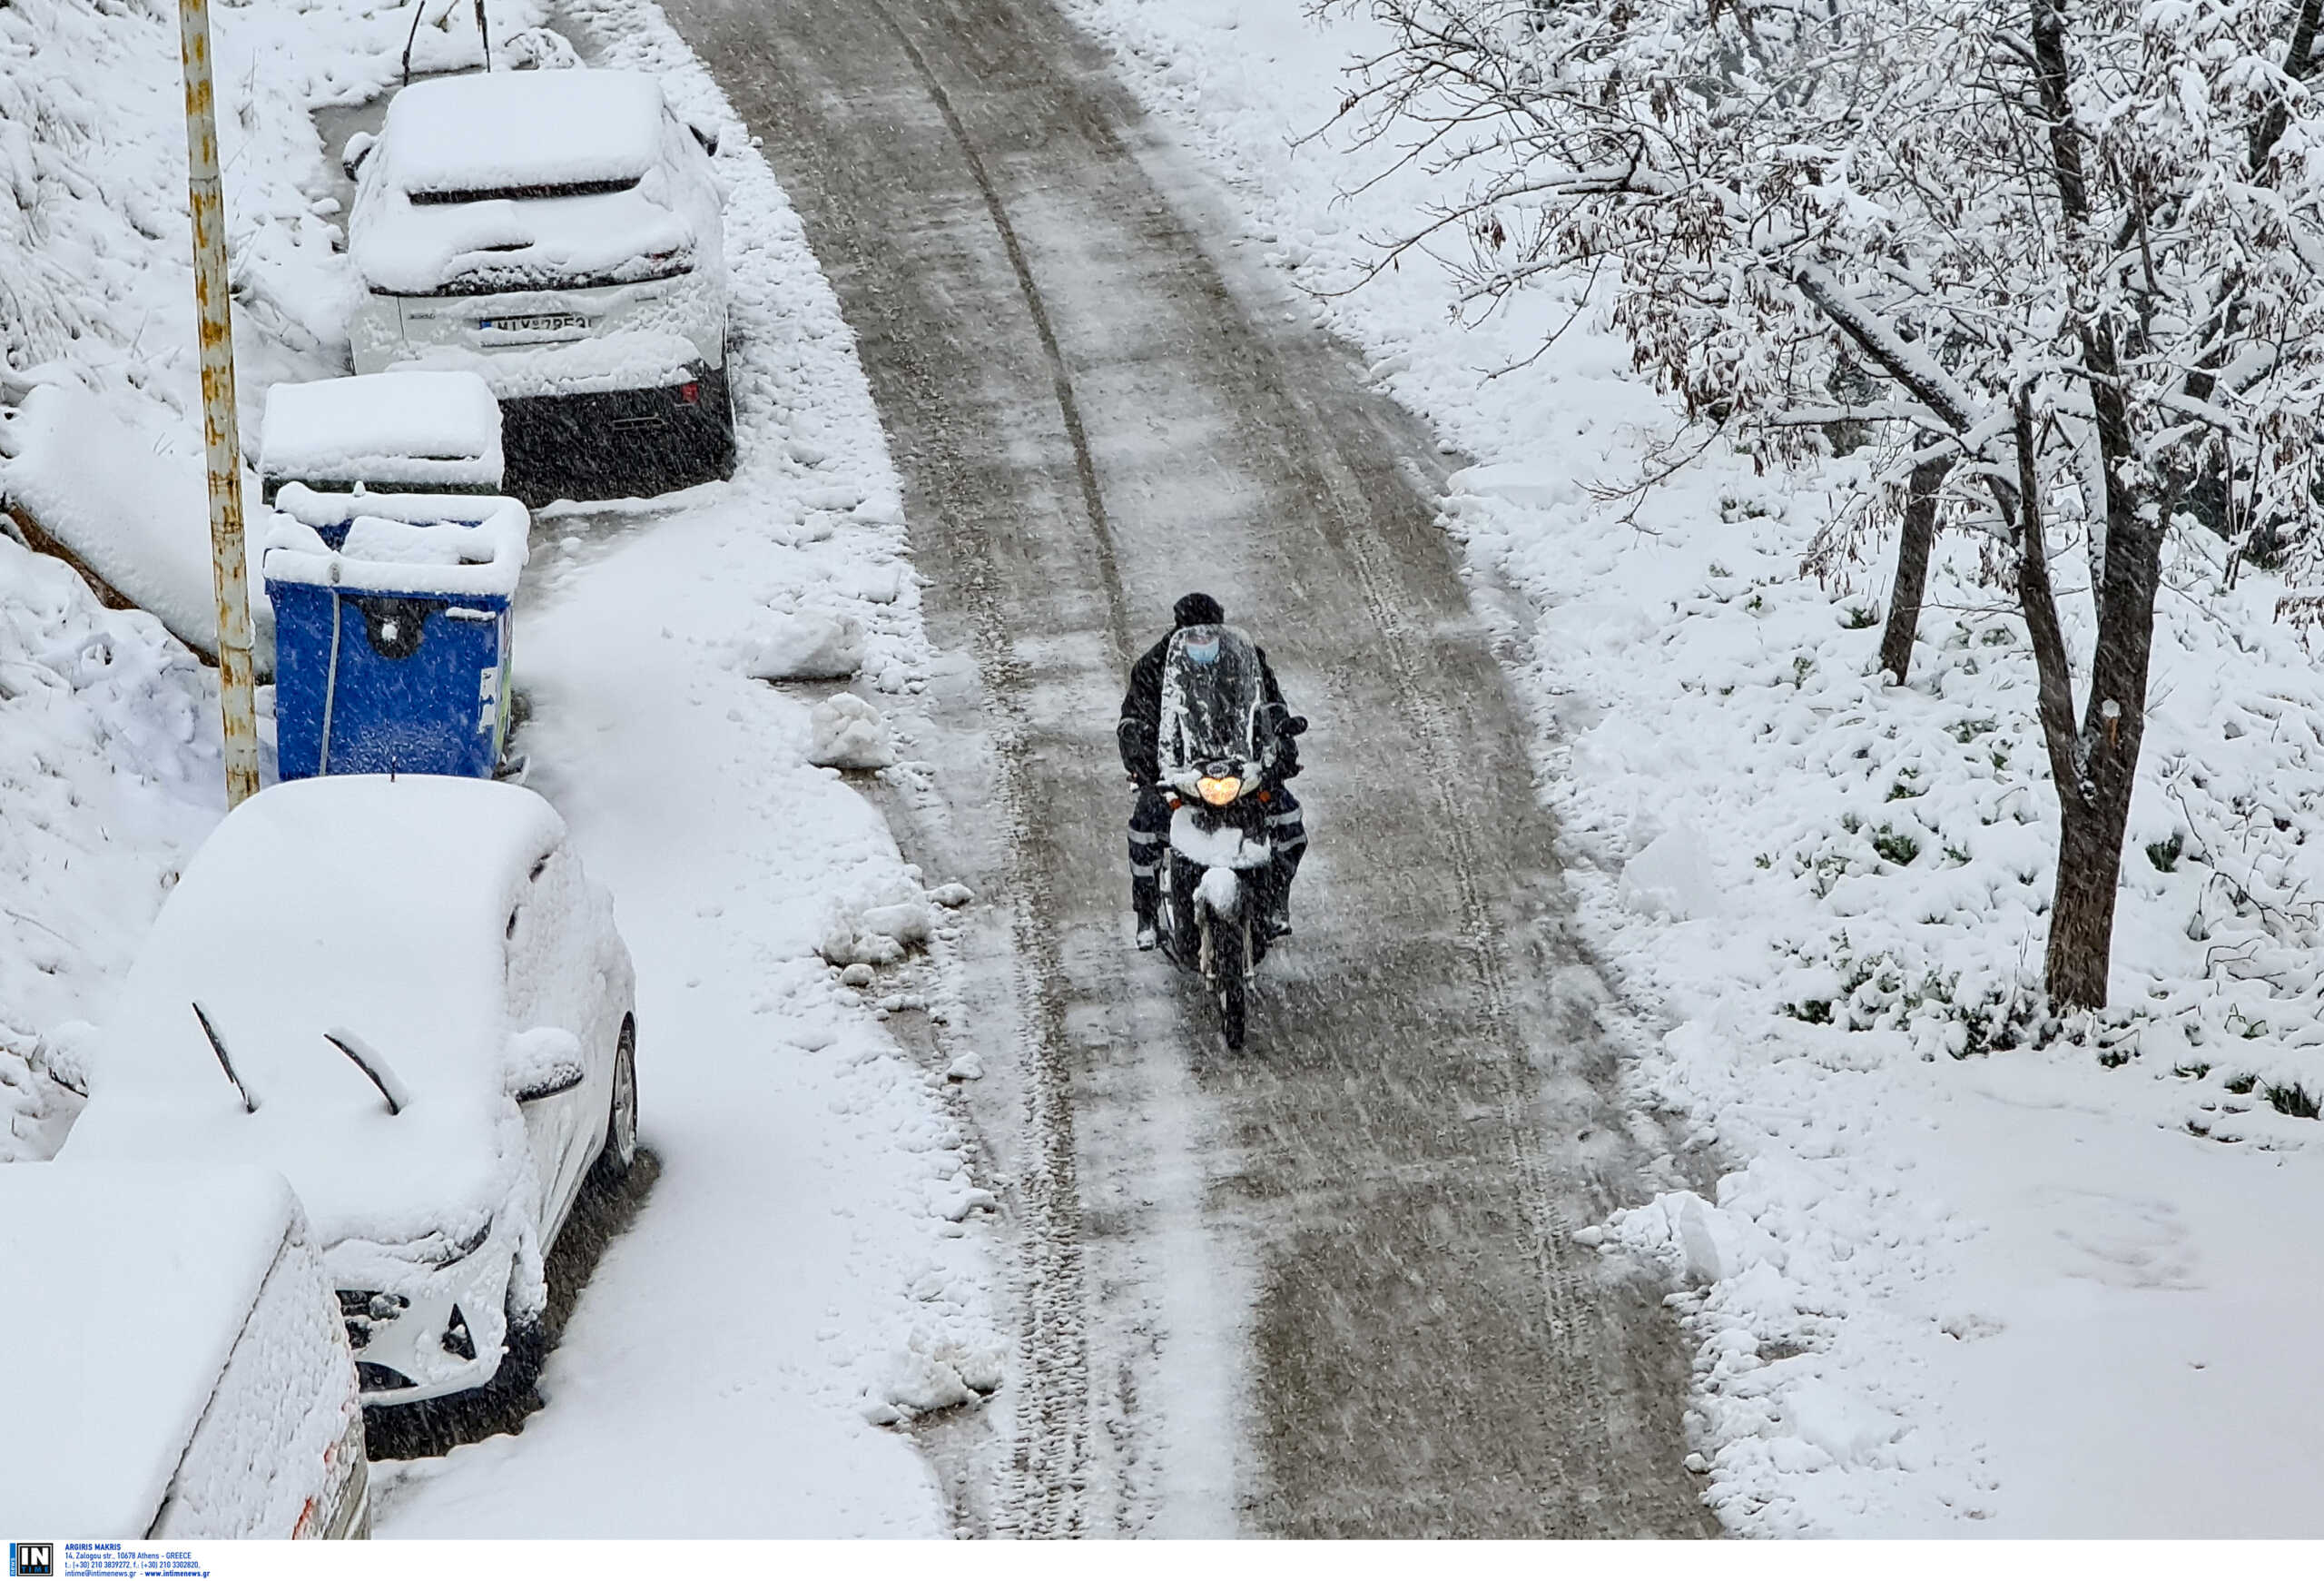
[809, 1269]
[1948, 1284]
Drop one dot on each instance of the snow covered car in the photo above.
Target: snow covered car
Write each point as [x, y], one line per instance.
[176, 1364]
[404, 994]
[557, 232]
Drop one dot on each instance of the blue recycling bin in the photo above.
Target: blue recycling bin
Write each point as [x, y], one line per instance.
[391, 631]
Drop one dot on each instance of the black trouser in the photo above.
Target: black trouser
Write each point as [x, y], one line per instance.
[1149, 846]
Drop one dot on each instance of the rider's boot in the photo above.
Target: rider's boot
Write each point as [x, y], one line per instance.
[1274, 913]
[1145, 901]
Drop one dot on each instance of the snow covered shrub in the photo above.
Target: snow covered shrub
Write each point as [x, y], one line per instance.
[2068, 256]
[106, 772]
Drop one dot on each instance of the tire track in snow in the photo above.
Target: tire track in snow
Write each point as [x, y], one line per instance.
[1093, 499]
[1050, 1458]
[1551, 1235]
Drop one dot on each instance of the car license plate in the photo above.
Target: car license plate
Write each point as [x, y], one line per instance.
[537, 323]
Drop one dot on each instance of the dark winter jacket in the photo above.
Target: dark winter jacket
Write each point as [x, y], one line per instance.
[1139, 730]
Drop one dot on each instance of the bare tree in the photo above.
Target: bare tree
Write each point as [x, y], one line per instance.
[2080, 246]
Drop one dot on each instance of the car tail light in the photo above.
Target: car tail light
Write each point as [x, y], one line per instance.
[690, 393]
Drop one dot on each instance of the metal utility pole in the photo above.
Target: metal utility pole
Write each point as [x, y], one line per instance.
[221, 433]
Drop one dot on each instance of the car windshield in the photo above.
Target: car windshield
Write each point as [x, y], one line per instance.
[1210, 698]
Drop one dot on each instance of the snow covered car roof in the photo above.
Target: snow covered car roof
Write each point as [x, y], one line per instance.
[522, 181]
[426, 430]
[494, 134]
[123, 1291]
[374, 905]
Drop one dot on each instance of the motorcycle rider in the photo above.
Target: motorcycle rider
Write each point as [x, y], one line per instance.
[1137, 735]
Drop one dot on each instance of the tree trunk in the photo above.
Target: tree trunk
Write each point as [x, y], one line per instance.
[2113, 723]
[1912, 568]
[2082, 904]
[2093, 761]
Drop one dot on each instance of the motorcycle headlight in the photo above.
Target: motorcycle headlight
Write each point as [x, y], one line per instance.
[1220, 792]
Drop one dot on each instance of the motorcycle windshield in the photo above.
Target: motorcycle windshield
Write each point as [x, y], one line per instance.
[1211, 693]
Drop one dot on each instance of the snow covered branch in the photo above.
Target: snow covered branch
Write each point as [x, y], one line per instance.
[2074, 243]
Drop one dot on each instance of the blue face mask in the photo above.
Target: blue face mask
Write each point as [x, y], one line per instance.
[1201, 650]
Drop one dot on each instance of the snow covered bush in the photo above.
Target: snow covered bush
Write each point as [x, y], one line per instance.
[108, 757]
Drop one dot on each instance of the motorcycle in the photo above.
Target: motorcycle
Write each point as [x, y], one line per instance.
[1221, 750]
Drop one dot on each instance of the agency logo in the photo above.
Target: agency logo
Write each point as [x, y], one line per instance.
[31, 1559]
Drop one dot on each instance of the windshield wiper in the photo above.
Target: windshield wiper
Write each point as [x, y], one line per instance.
[368, 1061]
[521, 192]
[218, 1047]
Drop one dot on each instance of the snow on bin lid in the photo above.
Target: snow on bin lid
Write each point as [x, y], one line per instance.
[123, 1290]
[398, 543]
[435, 429]
[492, 136]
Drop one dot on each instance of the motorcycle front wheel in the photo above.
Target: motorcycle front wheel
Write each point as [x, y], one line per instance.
[1230, 947]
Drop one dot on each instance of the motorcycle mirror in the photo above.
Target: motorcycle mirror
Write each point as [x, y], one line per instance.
[1295, 726]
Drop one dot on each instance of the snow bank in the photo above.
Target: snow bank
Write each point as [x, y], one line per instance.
[1828, 896]
[876, 935]
[849, 733]
[811, 647]
[121, 502]
[108, 768]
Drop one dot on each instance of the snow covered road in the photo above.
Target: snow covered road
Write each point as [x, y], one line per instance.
[1328, 1287]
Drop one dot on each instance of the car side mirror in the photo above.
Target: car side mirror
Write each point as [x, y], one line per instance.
[358, 149]
[65, 1053]
[709, 140]
[543, 1062]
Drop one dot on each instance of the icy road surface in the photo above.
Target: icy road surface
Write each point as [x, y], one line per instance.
[1328, 1287]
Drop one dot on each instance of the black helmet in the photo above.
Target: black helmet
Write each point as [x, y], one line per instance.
[1197, 610]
